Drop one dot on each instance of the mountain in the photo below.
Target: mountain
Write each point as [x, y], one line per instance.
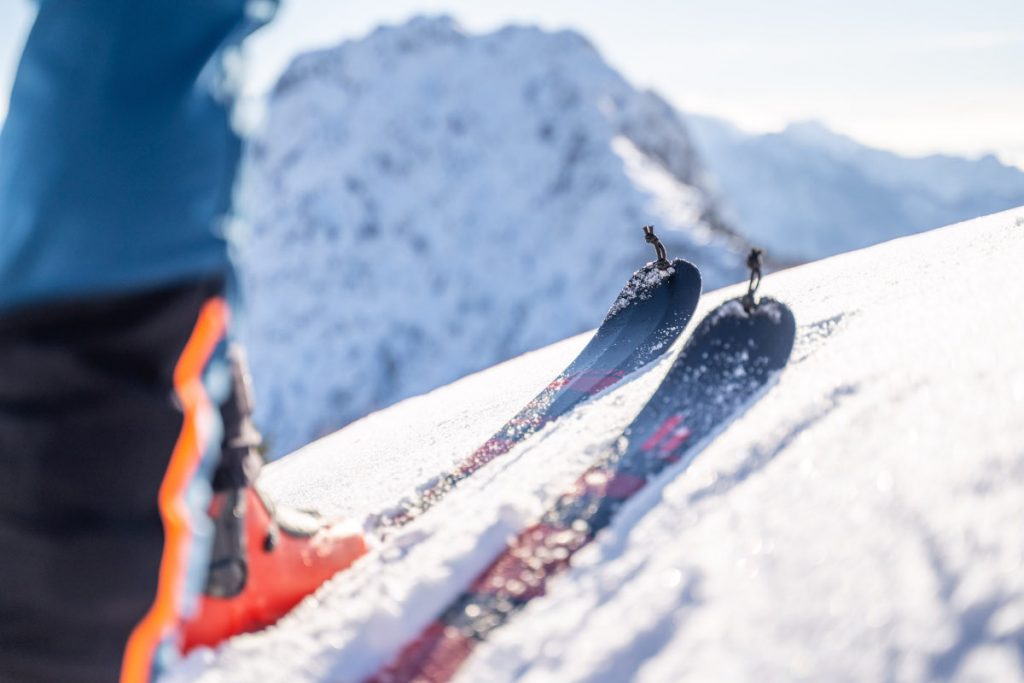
[424, 203]
[861, 522]
[807, 192]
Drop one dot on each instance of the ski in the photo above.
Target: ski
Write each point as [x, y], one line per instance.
[646, 318]
[728, 362]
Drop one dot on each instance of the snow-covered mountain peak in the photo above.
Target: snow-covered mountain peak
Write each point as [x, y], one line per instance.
[426, 202]
[420, 30]
[817, 135]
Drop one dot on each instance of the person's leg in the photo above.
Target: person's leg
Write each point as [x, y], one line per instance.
[108, 435]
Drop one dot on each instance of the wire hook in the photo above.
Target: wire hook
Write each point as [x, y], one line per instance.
[659, 248]
[754, 262]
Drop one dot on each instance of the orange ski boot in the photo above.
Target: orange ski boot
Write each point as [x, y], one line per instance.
[265, 561]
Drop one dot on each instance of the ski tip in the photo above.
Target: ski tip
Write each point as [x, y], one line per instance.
[771, 325]
[680, 280]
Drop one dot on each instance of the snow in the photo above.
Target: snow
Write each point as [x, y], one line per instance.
[860, 522]
[425, 203]
[639, 287]
[806, 192]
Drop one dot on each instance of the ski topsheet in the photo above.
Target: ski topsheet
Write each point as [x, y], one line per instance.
[726, 364]
[643, 322]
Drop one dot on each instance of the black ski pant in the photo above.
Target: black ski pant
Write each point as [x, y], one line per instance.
[110, 432]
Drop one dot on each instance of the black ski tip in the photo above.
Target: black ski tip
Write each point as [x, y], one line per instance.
[680, 283]
[768, 330]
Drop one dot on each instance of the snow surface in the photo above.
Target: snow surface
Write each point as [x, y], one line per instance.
[860, 522]
[425, 203]
[806, 192]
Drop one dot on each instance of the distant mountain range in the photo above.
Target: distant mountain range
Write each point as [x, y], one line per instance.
[807, 192]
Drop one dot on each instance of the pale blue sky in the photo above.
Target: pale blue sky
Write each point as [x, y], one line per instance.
[915, 76]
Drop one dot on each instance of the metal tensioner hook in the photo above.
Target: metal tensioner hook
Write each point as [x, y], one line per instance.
[754, 262]
[651, 238]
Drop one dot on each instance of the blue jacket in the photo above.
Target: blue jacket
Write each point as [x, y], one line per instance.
[117, 159]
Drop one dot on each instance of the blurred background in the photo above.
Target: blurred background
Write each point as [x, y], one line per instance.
[434, 187]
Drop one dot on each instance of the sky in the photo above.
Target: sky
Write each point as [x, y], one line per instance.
[913, 76]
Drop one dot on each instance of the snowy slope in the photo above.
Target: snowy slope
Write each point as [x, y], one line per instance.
[861, 522]
[426, 202]
[807, 192]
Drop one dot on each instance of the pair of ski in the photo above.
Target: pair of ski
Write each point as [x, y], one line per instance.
[728, 361]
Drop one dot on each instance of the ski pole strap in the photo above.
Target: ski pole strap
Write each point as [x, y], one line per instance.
[659, 248]
[754, 262]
